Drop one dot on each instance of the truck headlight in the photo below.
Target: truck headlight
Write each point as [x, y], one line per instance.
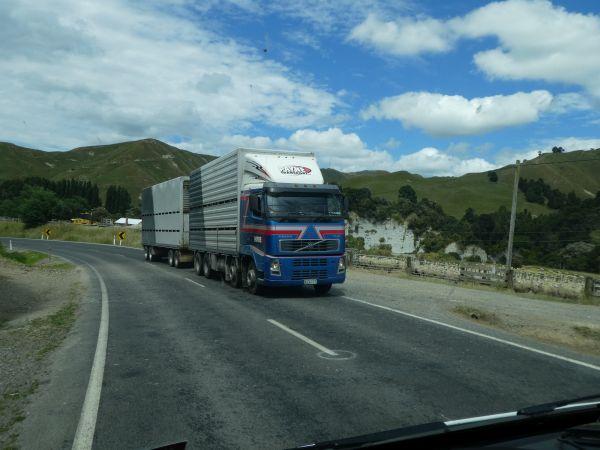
[275, 267]
[342, 265]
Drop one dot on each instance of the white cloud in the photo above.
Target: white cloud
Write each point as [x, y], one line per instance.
[333, 148]
[537, 40]
[347, 152]
[430, 161]
[452, 115]
[79, 72]
[402, 37]
[570, 101]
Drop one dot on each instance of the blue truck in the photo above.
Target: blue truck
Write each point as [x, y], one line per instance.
[257, 218]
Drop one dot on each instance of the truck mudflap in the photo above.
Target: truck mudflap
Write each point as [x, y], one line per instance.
[301, 270]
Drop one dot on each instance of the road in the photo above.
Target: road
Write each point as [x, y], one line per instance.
[193, 359]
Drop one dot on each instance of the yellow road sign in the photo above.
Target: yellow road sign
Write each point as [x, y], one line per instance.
[122, 235]
[48, 232]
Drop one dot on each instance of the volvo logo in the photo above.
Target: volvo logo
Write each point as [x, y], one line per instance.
[295, 170]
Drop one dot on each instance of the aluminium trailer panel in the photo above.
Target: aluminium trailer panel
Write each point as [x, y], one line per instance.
[214, 205]
[165, 214]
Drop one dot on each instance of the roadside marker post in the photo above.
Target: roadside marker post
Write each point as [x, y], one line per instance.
[114, 239]
[10, 245]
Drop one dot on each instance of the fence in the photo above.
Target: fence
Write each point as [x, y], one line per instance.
[546, 281]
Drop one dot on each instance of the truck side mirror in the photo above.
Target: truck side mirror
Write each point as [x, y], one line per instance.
[255, 205]
[346, 206]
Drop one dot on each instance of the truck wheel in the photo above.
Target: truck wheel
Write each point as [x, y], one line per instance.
[252, 279]
[177, 259]
[206, 270]
[235, 279]
[146, 253]
[170, 258]
[151, 256]
[322, 289]
[198, 263]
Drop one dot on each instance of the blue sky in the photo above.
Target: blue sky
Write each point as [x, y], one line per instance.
[436, 88]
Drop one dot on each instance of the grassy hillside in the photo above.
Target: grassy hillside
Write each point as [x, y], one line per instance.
[474, 190]
[138, 164]
[133, 165]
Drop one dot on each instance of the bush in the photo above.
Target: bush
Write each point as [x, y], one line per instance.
[473, 259]
[37, 206]
[357, 243]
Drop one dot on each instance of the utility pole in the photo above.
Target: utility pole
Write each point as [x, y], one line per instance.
[511, 230]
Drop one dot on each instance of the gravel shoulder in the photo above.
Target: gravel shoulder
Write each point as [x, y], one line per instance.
[570, 325]
[38, 306]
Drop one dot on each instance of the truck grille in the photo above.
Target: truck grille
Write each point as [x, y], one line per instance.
[308, 245]
[301, 274]
[309, 262]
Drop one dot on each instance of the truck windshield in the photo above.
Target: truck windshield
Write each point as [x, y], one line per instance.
[290, 204]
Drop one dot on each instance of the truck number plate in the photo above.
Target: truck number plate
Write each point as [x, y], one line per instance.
[311, 281]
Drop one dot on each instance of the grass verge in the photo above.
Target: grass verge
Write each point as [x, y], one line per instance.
[29, 258]
[588, 332]
[477, 315]
[70, 232]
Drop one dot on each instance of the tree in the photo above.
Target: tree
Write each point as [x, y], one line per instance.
[408, 193]
[99, 213]
[558, 150]
[492, 176]
[36, 206]
[118, 200]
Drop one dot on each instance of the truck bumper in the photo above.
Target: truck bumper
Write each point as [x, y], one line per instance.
[295, 271]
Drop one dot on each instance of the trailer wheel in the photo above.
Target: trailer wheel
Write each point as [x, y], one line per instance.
[235, 278]
[146, 253]
[170, 258]
[177, 259]
[206, 270]
[151, 256]
[252, 279]
[322, 289]
[198, 264]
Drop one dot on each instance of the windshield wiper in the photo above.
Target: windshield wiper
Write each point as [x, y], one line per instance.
[549, 407]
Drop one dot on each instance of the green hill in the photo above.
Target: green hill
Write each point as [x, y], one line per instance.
[138, 164]
[455, 194]
[133, 165]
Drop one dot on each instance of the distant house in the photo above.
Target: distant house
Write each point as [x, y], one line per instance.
[129, 222]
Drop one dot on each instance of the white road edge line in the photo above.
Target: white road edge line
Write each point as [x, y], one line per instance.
[84, 436]
[195, 282]
[475, 333]
[302, 338]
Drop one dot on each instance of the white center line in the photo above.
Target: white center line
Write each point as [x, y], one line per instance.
[475, 333]
[195, 282]
[302, 337]
[84, 436]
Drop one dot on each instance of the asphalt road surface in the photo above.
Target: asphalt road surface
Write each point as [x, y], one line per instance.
[188, 358]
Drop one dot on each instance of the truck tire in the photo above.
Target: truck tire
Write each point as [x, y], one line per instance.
[170, 258]
[198, 264]
[146, 253]
[235, 276]
[252, 279]
[206, 270]
[176, 259]
[151, 256]
[322, 289]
